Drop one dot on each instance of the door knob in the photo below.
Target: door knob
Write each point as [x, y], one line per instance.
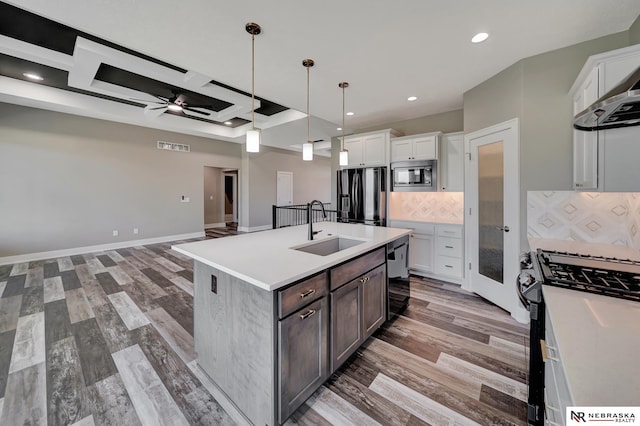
[503, 228]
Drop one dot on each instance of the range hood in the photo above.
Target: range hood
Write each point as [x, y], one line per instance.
[620, 107]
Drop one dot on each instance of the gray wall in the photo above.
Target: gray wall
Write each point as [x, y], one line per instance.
[446, 122]
[213, 195]
[69, 181]
[634, 32]
[536, 90]
[311, 180]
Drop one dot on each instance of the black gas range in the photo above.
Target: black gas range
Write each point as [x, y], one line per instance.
[593, 274]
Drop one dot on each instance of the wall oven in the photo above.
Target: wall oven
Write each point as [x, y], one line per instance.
[418, 176]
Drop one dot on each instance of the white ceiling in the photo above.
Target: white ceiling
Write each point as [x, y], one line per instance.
[386, 50]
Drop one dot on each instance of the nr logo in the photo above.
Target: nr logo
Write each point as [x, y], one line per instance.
[577, 416]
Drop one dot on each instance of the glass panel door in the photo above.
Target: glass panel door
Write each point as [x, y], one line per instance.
[491, 210]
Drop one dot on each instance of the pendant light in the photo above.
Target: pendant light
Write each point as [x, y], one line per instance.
[253, 135]
[307, 148]
[344, 154]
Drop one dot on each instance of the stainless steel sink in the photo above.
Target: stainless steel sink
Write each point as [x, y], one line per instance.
[328, 246]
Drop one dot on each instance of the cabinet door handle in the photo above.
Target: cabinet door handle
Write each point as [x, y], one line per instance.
[448, 266]
[364, 280]
[307, 293]
[545, 355]
[309, 313]
[448, 246]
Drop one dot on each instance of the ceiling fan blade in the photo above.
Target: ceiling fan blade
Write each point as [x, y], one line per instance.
[205, 106]
[146, 101]
[196, 111]
[160, 107]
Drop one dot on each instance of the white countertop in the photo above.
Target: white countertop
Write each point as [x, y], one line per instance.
[266, 260]
[598, 340]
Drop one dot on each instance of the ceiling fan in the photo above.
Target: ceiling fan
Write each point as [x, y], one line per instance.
[177, 104]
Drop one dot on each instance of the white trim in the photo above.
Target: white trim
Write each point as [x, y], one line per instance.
[215, 225]
[254, 228]
[8, 260]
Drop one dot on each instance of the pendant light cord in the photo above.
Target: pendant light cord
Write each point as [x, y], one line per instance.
[343, 116]
[308, 113]
[253, 86]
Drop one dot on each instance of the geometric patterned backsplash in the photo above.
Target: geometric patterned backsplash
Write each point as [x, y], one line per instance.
[447, 207]
[591, 217]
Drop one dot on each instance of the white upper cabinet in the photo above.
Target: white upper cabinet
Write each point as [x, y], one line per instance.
[605, 160]
[585, 144]
[368, 149]
[451, 164]
[415, 147]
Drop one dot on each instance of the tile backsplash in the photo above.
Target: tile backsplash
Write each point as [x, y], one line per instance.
[591, 217]
[445, 207]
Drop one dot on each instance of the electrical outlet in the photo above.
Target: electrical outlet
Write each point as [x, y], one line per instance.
[115, 232]
[135, 231]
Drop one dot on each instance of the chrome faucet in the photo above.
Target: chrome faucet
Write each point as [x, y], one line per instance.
[310, 217]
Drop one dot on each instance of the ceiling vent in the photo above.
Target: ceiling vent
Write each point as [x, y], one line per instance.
[170, 146]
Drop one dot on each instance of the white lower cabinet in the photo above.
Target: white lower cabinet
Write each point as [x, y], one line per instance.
[556, 390]
[435, 250]
[421, 251]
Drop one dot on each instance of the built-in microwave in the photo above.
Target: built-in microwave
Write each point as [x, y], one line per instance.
[418, 176]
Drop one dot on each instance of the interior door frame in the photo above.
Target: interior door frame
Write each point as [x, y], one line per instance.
[507, 300]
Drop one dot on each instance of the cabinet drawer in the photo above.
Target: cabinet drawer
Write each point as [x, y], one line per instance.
[453, 231]
[446, 265]
[346, 272]
[451, 247]
[293, 298]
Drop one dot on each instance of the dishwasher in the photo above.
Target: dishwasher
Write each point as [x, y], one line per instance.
[398, 276]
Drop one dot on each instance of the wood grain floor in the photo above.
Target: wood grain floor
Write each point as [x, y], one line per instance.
[107, 339]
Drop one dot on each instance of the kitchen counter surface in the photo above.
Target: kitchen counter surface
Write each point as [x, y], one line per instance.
[266, 259]
[598, 340]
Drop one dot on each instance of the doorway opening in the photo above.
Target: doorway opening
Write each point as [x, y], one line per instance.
[220, 197]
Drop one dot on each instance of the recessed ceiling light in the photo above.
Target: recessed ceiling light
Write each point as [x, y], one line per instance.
[33, 76]
[174, 107]
[228, 123]
[350, 113]
[412, 98]
[479, 38]
[339, 128]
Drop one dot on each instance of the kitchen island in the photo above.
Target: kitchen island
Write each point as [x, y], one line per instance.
[276, 314]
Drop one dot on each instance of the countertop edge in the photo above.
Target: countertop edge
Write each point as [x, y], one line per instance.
[352, 253]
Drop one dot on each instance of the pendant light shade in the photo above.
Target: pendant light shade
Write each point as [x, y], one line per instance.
[344, 157]
[344, 154]
[307, 147]
[307, 151]
[253, 140]
[253, 135]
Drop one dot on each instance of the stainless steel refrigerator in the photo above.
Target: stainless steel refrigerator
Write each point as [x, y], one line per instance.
[362, 196]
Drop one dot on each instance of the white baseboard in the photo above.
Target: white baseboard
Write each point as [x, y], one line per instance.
[8, 260]
[254, 228]
[215, 225]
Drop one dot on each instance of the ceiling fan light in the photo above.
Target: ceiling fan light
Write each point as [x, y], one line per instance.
[307, 151]
[174, 107]
[253, 140]
[344, 157]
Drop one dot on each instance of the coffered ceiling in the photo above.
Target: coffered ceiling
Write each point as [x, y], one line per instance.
[126, 60]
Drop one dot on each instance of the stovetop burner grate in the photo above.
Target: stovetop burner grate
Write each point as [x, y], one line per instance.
[606, 276]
